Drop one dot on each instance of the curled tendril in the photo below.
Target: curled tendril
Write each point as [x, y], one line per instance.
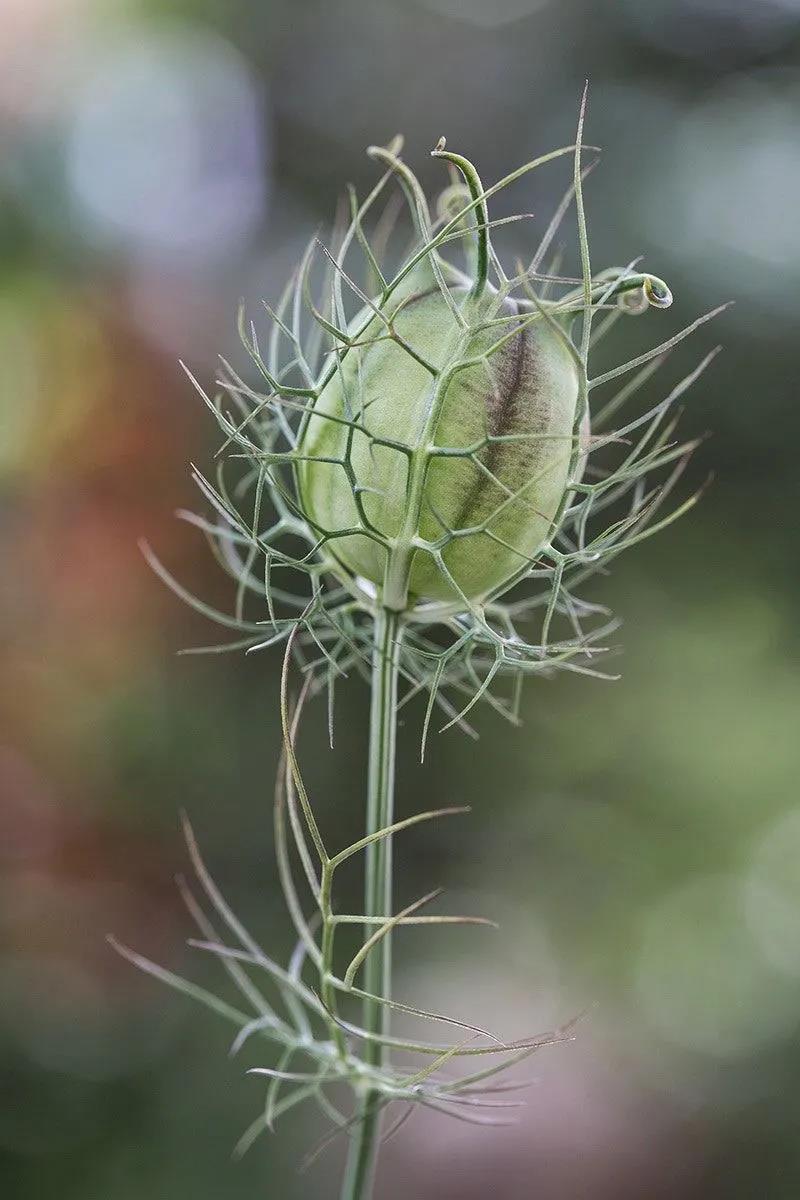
[657, 292]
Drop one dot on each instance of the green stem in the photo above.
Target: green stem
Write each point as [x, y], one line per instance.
[360, 1170]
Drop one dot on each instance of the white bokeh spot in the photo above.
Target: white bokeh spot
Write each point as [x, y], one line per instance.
[165, 152]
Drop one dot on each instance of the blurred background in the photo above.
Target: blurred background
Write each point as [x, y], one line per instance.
[639, 841]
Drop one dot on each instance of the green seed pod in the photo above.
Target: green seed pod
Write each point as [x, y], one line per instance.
[443, 445]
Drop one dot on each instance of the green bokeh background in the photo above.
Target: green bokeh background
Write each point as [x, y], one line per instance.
[638, 841]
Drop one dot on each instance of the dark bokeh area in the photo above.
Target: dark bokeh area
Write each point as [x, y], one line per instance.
[638, 841]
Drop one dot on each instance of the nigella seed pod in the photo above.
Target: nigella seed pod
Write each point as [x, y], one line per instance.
[426, 454]
[437, 457]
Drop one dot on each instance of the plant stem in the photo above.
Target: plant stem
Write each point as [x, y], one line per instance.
[360, 1170]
